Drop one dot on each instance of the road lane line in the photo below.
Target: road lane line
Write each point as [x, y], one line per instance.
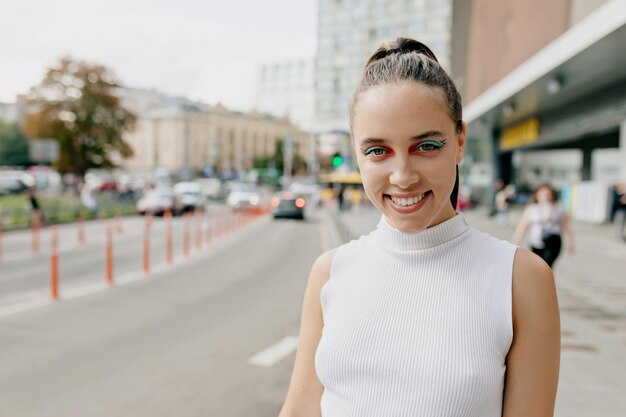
[25, 306]
[275, 353]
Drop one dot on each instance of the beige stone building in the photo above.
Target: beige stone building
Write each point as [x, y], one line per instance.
[176, 134]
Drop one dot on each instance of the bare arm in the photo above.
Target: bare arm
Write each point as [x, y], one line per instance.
[305, 390]
[522, 229]
[533, 360]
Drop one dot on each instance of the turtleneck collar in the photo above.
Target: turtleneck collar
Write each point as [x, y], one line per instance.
[429, 238]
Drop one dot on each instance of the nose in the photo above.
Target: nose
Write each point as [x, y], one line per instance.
[404, 174]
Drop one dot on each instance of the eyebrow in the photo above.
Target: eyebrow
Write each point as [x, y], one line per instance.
[428, 134]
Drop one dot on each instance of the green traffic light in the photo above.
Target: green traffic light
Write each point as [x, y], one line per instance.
[337, 161]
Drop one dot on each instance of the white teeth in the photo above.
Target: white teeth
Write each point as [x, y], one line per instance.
[407, 201]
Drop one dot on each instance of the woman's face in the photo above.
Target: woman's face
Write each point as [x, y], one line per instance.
[544, 195]
[407, 150]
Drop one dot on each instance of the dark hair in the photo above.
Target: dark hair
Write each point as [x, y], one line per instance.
[409, 60]
[553, 193]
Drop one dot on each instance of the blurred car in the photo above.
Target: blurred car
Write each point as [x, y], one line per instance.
[11, 183]
[190, 196]
[288, 205]
[159, 201]
[243, 196]
[211, 188]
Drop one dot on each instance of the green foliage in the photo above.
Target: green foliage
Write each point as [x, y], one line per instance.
[13, 146]
[75, 104]
[276, 160]
[16, 212]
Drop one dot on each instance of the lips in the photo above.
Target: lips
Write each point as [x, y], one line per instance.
[408, 204]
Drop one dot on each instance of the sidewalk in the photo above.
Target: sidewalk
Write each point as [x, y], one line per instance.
[592, 297]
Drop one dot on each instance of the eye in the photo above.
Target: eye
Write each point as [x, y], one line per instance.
[376, 151]
[429, 146]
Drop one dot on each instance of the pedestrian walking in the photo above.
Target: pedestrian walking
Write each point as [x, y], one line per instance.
[88, 200]
[37, 212]
[503, 198]
[425, 315]
[547, 225]
[618, 210]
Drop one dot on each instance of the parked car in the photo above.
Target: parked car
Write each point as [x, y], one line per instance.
[243, 196]
[11, 183]
[190, 196]
[288, 205]
[159, 201]
[211, 188]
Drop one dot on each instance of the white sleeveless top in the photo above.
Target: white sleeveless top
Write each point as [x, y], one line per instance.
[417, 325]
[543, 218]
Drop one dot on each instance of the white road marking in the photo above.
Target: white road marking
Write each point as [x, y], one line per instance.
[275, 353]
[25, 306]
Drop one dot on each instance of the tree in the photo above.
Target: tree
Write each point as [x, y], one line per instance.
[13, 146]
[75, 104]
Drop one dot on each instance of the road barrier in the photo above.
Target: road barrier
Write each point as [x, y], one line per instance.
[186, 234]
[54, 264]
[219, 222]
[80, 227]
[146, 244]
[35, 226]
[198, 216]
[169, 246]
[109, 255]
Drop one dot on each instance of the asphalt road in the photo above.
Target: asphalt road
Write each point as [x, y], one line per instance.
[177, 343]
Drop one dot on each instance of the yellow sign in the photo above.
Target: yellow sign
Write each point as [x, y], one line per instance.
[520, 134]
[342, 177]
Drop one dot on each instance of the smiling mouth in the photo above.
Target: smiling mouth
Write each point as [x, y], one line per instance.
[407, 202]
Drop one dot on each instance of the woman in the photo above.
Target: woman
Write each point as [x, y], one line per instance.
[546, 221]
[425, 316]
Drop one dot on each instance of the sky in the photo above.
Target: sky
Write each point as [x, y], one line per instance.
[206, 50]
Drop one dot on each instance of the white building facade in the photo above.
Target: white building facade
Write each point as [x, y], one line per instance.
[286, 89]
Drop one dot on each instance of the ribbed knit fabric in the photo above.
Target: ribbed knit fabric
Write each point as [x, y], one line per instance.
[417, 324]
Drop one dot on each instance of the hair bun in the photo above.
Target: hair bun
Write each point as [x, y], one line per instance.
[402, 46]
[411, 45]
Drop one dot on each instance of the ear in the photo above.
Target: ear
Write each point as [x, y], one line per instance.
[461, 142]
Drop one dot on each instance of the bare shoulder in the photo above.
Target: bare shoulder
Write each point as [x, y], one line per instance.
[533, 359]
[534, 290]
[320, 271]
[305, 389]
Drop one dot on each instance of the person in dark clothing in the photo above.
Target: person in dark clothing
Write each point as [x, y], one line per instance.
[35, 208]
[618, 210]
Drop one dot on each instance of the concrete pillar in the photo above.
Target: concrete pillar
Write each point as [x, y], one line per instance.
[586, 167]
[622, 152]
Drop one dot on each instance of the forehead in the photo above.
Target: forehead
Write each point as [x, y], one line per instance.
[400, 109]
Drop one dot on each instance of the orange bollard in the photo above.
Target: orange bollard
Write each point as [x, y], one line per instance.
[209, 229]
[146, 246]
[186, 234]
[54, 265]
[80, 225]
[169, 253]
[35, 232]
[198, 229]
[109, 255]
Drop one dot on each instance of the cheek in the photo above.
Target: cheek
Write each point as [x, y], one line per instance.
[373, 176]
